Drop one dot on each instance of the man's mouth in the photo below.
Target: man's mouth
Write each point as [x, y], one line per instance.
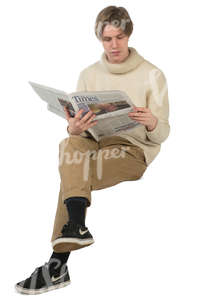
[115, 52]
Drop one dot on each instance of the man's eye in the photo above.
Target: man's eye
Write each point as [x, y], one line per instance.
[118, 37]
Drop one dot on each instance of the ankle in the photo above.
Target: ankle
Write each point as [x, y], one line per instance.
[76, 207]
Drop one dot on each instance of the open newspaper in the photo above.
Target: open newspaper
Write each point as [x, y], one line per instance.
[110, 107]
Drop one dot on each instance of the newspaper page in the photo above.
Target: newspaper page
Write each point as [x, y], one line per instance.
[110, 107]
[51, 96]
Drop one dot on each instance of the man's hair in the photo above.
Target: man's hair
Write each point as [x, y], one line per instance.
[116, 16]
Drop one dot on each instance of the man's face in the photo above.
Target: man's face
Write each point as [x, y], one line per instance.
[115, 44]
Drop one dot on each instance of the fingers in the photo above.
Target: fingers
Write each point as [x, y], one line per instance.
[139, 119]
[136, 114]
[89, 123]
[142, 109]
[78, 114]
[91, 118]
[134, 109]
[67, 113]
[92, 124]
[82, 124]
[87, 116]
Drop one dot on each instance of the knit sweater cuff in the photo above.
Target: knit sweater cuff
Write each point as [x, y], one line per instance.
[83, 134]
[157, 135]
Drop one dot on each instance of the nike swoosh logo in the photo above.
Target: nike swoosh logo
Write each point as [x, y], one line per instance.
[56, 278]
[82, 232]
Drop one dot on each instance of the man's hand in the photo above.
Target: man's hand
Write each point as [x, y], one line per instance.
[77, 125]
[144, 116]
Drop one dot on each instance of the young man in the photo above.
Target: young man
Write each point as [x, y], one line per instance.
[85, 164]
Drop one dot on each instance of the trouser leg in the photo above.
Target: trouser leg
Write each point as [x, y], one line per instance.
[61, 217]
[74, 166]
[75, 173]
[115, 160]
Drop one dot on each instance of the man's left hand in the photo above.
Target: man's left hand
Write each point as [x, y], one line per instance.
[144, 116]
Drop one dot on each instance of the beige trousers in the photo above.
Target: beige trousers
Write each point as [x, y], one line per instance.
[86, 165]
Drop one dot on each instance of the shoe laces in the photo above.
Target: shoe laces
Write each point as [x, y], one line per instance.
[46, 266]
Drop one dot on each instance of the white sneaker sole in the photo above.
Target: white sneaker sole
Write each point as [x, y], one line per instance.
[22, 290]
[69, 244]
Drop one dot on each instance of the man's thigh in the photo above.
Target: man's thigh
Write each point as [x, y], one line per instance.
[116, 160]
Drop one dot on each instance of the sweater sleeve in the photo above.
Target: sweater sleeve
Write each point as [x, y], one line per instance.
[81, 85]
[157, 101]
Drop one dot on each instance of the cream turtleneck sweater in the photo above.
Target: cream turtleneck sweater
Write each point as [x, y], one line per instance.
[145, 84]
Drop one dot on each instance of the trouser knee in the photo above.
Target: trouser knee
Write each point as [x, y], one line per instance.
[76, 148]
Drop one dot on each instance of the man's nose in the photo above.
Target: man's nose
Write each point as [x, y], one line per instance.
[114, 43]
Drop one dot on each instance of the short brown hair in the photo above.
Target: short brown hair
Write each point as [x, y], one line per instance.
[116, 16]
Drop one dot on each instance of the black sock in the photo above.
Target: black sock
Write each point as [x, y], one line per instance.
[76, 209]
[61, 257]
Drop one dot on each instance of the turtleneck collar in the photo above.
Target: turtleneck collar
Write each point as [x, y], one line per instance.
[130, 63]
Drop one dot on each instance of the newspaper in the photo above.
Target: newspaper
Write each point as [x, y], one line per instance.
[111, 108]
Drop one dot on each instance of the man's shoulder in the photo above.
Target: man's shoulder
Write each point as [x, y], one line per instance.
[152, 72]
[92, 68]
[151, 67]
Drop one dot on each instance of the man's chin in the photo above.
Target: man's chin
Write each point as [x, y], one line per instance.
[114, 59]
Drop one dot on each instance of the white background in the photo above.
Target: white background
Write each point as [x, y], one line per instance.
[145, 231]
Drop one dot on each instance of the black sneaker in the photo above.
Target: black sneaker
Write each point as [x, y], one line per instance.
[74, 236]
[45, 279]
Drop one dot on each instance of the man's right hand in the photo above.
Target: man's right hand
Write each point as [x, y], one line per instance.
[77, 125]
